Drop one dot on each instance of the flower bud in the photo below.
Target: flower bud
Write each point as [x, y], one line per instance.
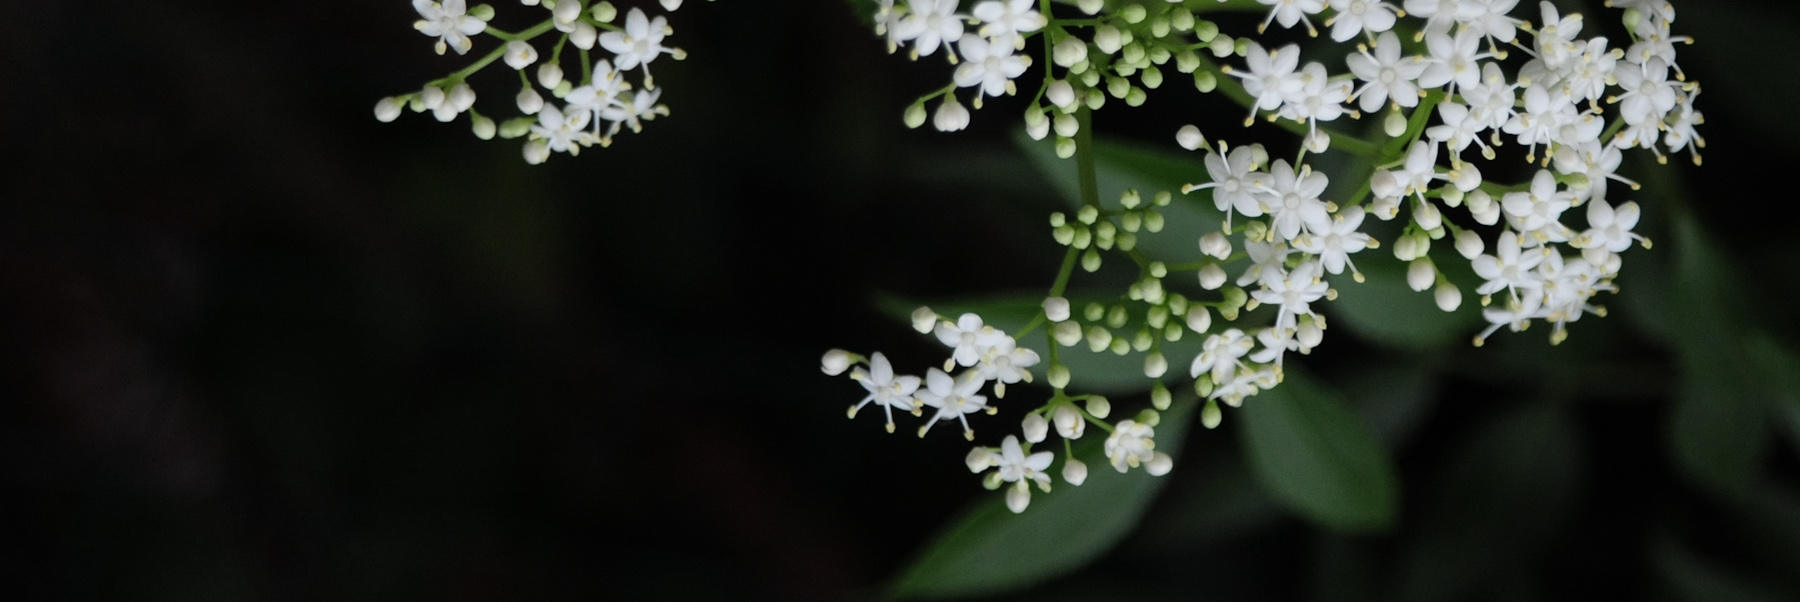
[1074, 472]
[483, 127]
[980, 459]
[1448, 296]
[1210, 416]
[516, 127]
[1066, 125]
[1205, 81]
[1468, 243]
[529, 101]
[924, 320]
[1099, 407]
[671, 5]
[1189, 137]
[1036, 428]
[1160, 396]
[605, 12]
[1108, 39]
[1018, 496]
[1309, 333]
[1420, 274]
[445, 111]
[1159, 465]
[1059, 376]
[566, 12]
[1067, 333]
[1394, 125]
[1215, 244]
[1155, 365]
[1427, 216]
[1317, 141]
[520, 55]
[537, 151]
[1061, 94]
[1198, 318]
[950, 116]
[1133, 13]
[1056, 309]
[549, 75]
[1152, 78]
[387, 109]
[584, 35]
[1212, 277]
[914, 115]
[1069, 51]
[1090, 6]
[835, 362]
[482, 12]
[1482, 206]
[1069, 422]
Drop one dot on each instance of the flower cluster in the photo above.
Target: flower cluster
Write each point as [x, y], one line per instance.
[593, 108]
[981, 354]
[1442, 77]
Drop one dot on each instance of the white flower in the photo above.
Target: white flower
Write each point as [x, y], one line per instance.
[1130, 445]
[1386, 74]
[1355, 16]
[1648, 92]
[953, 398]
[885, 389]
[1003, 20]
[1271, 78]
[1220, 354]
[1289, 12]
[1006, 363]
[1319, 99]
[1510, 268]
[1334, 244]
[1454, 60]
[990, 66]
[1536, 211]
[1609, 230]
[602, 93]
[1292, 200]
[562, 132]
[449, 22]
[641, 106]
[1234, 182]
[1267, 261]
[1013, 466]
[931, 23]
[640, 43]
[1069, 421]
[1294, 294]
[970, 339]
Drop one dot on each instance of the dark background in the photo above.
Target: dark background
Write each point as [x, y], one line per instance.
[258, 345]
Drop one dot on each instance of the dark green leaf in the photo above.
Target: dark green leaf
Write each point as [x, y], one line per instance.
[1317, 458]
[1720, 423]
[1382, 309]
[990, 550]
[1119, 166]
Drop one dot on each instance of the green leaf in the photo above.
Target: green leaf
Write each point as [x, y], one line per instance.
[1687, 576]
[1720, 425]
[1317, 458]
[990, 550]
[1118, 166]
[1390, 393]
[1090, 372]
[1383, 310]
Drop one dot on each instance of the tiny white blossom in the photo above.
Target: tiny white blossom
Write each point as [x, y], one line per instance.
[449, 22]
[885, 389]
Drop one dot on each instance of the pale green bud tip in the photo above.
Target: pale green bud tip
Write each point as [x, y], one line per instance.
[1056, 309]
[516, 127]
[605, 12]
[1198, 318]
[1059, 376]
[1211, 416]
[1018, 497]
[387, 109]
[1130, 198]
[1160, 396]
[1394, 125]
[1134, 13]
[1099, 407]
[1074, 472]
[1065, 147]
[835, 362]
[980, 459]
[484, 128]
[549, 75]
[482, 12]
[1091, 6]
[915, 115]
[923, 320]
[1212, 276]
[1067, 333]
[1090, 260]
[1149, 418]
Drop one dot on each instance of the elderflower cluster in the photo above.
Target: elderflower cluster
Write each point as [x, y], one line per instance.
[584, 110]
[1442, 77]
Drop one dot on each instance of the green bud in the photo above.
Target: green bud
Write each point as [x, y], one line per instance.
[1120, 346]
[483, 127]
[1141, 341]
[1065, 147]
[1059, 376]
[1117, 316]
[604, 12]
[1057, 219]
[1090, 260]
[1204, 384]
[1158, 270]
[1094, 312]
[1205, 31]
[1220, 46]
[1132, 53]
[1157, 317]
[1087, 214]
[1186, 62]
[1159, 27]
[1064, 234]
[1172, 333]
[1149, 418]
[1160, 55]
[1095, 99]
[1182, 20]
[1153, 221]
[1090, 6]
[1130, 198]
[1131, 220]
[1134, 14]
[1083, 238]
[1099, 407]
[1163, 197]
[1136, 97]
[1118, 87]
[1126, 241]
[1098, 338]
[1205, 81]
[482, 12]
[1152, 78]
[1159, 396]
[516, 127]
[1235, 297]
[1210, 416]
[1178, 304]
[915, 115]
